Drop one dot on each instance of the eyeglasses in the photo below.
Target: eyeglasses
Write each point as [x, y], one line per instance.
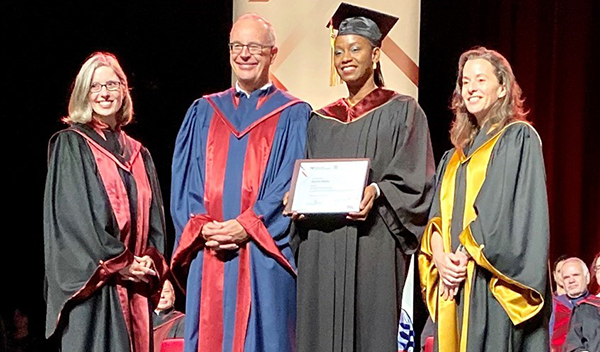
[253, 48]
[96, 87]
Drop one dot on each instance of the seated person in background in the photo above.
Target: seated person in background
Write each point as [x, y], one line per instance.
[559, 290]
[168, 323]
[584, 326]
[576, 277]
[19, 336]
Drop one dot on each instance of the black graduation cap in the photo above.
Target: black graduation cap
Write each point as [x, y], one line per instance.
[371, 24]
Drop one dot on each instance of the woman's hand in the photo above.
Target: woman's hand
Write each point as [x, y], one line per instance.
[140, 270]
[293, 215]
[452, 267]
[366, 204]
[448, 292]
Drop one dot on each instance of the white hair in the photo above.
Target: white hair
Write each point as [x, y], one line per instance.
[584, 268]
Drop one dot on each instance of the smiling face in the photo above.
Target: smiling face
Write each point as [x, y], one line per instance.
[106, 103]
[480, 88]
[354, 57]
[251, 70]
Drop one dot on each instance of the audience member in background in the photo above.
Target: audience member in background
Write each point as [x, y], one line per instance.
[584, 326]
[576, 277]
[168, 323]
[19, 337]
[3, 332]
[559, 289]
[104, 227]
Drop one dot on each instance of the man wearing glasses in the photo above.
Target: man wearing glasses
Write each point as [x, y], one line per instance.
[233, 161]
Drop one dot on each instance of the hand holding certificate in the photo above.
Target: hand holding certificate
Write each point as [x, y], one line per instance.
[321, 186]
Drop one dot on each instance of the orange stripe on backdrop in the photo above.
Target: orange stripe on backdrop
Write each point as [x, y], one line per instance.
[400, 59]
[298, 33]
[277, 83]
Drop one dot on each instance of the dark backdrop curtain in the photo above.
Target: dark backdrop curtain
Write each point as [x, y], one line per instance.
[552, 46]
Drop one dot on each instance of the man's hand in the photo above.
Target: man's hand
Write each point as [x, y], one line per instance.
[226, 235]
[366, 204]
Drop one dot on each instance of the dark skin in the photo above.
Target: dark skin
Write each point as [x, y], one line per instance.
[354, 59]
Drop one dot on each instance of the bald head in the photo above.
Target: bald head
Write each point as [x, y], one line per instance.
[575, 276]
[253, 19]
[252, 51]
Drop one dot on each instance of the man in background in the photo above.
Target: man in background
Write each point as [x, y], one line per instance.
[168, 323]
[576, 277]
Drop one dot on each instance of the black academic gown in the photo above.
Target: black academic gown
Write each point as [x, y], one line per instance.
[508, 240]
[584, 327]
[351, 273]
[89, 308]
[168, 324]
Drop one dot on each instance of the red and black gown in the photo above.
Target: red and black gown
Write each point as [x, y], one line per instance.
[102, 207]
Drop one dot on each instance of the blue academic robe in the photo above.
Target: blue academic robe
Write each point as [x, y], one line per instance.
[234, 158]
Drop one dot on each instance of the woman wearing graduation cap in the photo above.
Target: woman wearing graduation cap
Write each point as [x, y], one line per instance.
[352, 268]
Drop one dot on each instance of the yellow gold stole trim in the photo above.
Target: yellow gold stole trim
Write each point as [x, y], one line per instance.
[519, 301]
[428, 273]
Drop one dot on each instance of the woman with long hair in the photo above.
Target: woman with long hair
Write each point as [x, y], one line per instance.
[104, 228]
[483, 260]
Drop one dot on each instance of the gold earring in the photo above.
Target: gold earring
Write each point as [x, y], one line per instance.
[374, 65]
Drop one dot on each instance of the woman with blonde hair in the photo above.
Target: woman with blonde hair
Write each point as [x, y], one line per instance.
[103, 220]
[483, 260]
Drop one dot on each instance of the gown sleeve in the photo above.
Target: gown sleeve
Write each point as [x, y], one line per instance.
[157, 228]
[82, 249]
[428, 272]
[510, 235]
[584, 329]
[407, 183]
[187, 189]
